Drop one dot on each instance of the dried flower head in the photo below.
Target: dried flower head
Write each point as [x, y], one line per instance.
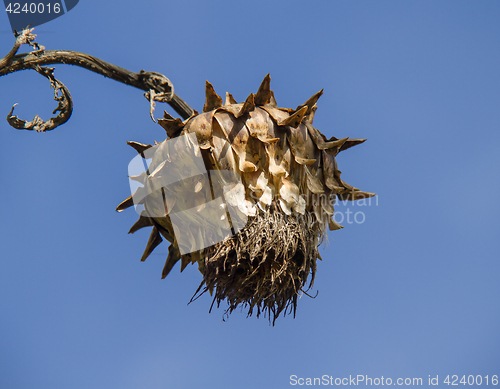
[267, 173]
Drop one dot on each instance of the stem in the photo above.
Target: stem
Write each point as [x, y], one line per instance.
[146, 81]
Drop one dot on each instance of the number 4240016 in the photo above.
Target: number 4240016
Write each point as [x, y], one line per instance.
[33, 8]
[471, 380]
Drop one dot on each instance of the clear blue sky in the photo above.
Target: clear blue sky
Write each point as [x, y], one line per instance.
[411, 292]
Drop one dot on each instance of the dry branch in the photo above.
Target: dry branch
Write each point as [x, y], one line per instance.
[158, 87]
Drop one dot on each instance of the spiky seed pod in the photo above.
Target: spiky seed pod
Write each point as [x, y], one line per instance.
[286, 183]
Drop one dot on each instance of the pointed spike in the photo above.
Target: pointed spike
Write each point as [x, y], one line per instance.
[311, 102]
[139, 147]
[356, 194]
[332, 146]
[154, 240]
[127, 203]
[144, 221]
[333, 225]
[263, 95]
[248, 106]
[171, 126]
[137, 198]
[185, 260]
[212, 99]
[295, 119]
[229, 99]
[141, 178]
[350, 143]
[174, 256]
[166, 115]
[140, 195]
[272, 101]
[333, 143]
[196, 255]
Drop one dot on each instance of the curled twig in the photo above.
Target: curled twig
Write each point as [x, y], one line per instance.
[65, 107]
[157, 86]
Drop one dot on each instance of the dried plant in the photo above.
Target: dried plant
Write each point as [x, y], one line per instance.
[284, 181]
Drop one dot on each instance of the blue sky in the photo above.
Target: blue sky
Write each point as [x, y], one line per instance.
[413, 291]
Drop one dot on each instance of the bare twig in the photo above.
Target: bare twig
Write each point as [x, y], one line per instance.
[156, 85]
[65, 107]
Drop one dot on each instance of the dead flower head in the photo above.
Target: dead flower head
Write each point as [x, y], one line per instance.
[246, 190]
